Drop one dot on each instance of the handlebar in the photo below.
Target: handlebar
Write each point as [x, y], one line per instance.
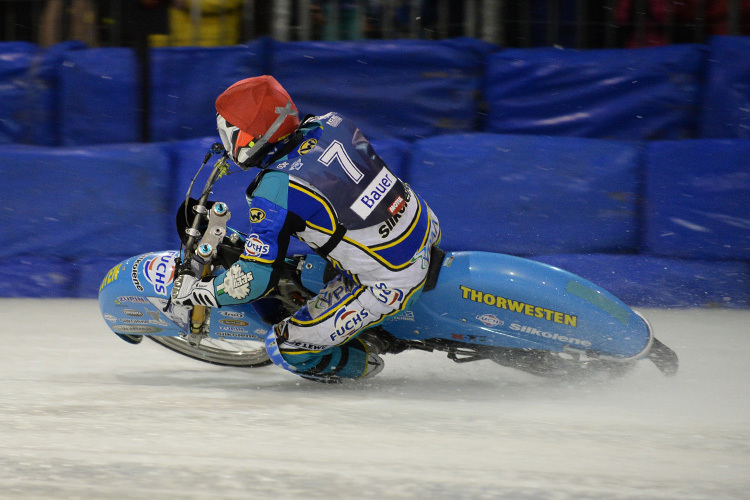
[221, 167]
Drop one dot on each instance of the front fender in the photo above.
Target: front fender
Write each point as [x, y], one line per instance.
[134, 294]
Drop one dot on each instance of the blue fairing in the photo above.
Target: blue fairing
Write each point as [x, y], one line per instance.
[134, 293]
[501, 300]
[480, 298]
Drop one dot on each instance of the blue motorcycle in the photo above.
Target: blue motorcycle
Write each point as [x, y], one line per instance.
[476, 306]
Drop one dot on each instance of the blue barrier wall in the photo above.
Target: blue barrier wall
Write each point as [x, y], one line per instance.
[525, 195]
[616, 94]
[95, 201]
[100, 97]
[726, 105]
[39, 276]
[407, 89]
[625, 214]
[17, 85]
[185, 82]
[70, 214]
[646, 281]
[698, 196]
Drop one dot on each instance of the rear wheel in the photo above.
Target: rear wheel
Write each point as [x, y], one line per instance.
[559, 365]
[563, 365]
[224, 352]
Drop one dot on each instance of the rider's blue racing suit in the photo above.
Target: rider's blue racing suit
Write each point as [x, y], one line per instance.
[332, 191]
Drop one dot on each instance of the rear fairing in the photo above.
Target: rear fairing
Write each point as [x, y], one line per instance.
[506, 301]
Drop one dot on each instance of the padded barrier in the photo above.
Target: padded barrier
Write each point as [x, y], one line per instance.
[627, 94]
[527, 195]
[185, 82]
[97, 201]
[726, 106]
[698, 199]
[70, 214]
[37, 276]
[644, 281]
[405, 89]
[100, 97]
[395, 153]
[30, 93]
[15, 67]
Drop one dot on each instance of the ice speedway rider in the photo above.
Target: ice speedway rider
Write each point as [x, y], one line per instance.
[321, 181]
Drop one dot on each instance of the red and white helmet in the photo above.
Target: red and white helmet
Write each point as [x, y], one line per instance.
[252, 113]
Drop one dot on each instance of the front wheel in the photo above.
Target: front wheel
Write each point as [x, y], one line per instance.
[224, 352]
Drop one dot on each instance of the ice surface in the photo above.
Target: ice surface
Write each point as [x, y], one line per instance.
[85, 415]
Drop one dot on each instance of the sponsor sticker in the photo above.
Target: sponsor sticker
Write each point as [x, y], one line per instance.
[134, 273]
[334, 120]
[489, 319]
[373, 193]
[387, 296]
[257, 215]
[402, 316]
[490, 299]
[110, 277]
[232, 314]
[346, 322]
[236, 283]
[235, 329]
[159, 271]
[241, 335]
[397, 205]
[529, 330]
[307, 146]
[385, 229]
[233, 322]
[131, 298]
[135, 329]
[255, 247]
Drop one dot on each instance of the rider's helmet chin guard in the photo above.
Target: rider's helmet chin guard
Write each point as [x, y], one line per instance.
[251, 114]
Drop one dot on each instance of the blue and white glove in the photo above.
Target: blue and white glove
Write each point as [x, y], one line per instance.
[190, 291]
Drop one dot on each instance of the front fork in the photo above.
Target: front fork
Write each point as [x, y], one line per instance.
[199, 325]
[207, 250]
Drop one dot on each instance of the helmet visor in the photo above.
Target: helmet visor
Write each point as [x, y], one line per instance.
[238, 143]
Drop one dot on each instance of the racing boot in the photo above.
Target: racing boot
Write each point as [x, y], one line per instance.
[358, 359]
[375, 342]
[375, 345]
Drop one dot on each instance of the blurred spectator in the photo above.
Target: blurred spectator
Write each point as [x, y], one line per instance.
[79, 15]
[145, 23]
[399, 18]
[670, 21]
[205, 23]
[717, 15]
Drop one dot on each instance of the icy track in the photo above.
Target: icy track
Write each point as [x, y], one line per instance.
[87, 416]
